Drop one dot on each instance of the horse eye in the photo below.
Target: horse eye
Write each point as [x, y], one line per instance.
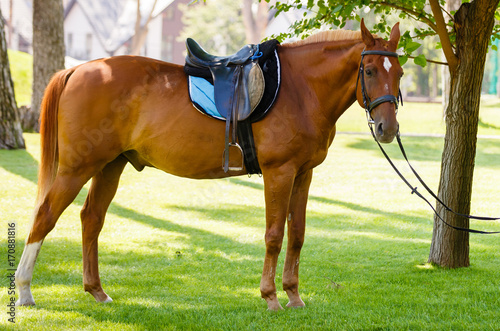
[368, 72]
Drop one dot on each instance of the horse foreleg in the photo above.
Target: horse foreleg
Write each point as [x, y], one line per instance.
[278, 187]
[62, 193]
[296, 230]
[101, 193]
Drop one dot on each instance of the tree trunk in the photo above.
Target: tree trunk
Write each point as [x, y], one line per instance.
[473, 25]
[141, 32]
[255, 24]
[48, 48]
[11, 134]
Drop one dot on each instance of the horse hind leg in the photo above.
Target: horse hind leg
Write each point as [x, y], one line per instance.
[101, 193]
[63, 191]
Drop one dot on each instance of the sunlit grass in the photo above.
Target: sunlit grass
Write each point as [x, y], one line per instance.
[21, 65]
[186, 254]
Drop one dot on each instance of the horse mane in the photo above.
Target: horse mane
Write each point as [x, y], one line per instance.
[330, 35]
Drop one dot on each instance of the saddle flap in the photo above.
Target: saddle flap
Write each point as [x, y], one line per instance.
[226, 81]
[243, 85]
[251, 90]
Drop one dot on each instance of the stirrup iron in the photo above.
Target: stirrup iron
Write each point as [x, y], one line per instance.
[225, 161]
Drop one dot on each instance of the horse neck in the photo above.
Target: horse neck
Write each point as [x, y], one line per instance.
[323, 77]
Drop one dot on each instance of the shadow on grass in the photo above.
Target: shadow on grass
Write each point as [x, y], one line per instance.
[417, 148]
[485, 125]
[148, 288]
[349, 205]
[429, 149]
[19, 162]
[23, 164]
[197, 238]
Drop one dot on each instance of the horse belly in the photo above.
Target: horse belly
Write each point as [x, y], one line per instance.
[191, 146]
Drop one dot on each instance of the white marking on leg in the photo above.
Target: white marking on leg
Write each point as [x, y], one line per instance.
[387, 63]
[24, 273]
[108, 299]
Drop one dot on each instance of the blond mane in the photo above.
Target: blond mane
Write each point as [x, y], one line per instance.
[331, 35]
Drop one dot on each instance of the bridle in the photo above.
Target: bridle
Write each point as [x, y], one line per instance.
[369, 104]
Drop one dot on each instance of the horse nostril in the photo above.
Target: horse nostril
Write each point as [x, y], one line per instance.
[380, 129]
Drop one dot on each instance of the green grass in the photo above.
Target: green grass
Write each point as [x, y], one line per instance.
[180, 254]
[21, 67]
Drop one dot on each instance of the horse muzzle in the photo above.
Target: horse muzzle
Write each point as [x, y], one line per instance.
[382, 115]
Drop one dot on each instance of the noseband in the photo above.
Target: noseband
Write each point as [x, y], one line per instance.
[370, 105]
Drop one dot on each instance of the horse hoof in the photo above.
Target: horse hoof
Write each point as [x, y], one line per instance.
[103, 298]
[274, 306]
[100, 296]
[300, 304]
[28, 302]
[108, 299]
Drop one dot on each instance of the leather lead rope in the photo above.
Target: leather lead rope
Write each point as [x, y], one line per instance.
[482, 218]
[416, 192]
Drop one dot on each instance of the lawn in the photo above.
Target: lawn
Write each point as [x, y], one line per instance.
[21, 65]
[179, 254]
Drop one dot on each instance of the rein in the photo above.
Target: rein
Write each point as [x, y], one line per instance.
[369, 106]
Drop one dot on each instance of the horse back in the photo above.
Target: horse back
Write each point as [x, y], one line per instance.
[138, 107]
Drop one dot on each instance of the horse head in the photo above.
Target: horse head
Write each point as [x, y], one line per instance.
[378, 82]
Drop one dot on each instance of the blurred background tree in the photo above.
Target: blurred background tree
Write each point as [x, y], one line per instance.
[48, 49]
[10, 126]
[216, 25]
[224, 26]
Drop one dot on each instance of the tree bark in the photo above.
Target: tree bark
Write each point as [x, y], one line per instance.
[48, 48]
[473, 25]
[11, 134]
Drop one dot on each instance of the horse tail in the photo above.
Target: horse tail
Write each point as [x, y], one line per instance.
[49, 153]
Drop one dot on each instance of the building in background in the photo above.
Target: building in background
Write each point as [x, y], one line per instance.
[97, 28]
[18, 24]
[101, 28]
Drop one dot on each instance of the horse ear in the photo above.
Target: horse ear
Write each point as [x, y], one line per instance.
[366, 35]
[395, 34]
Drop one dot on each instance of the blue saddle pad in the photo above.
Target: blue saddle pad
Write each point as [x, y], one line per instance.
[202, 93]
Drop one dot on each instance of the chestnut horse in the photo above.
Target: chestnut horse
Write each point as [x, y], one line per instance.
[97, 117]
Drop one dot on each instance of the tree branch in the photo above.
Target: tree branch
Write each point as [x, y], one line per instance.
[430, 61]
[417, 15]
[450, 16]
[444, 36]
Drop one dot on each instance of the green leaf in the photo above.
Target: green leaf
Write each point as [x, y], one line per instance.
[412, 46]
[403, 59]
[337, 9]
[420, 60]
